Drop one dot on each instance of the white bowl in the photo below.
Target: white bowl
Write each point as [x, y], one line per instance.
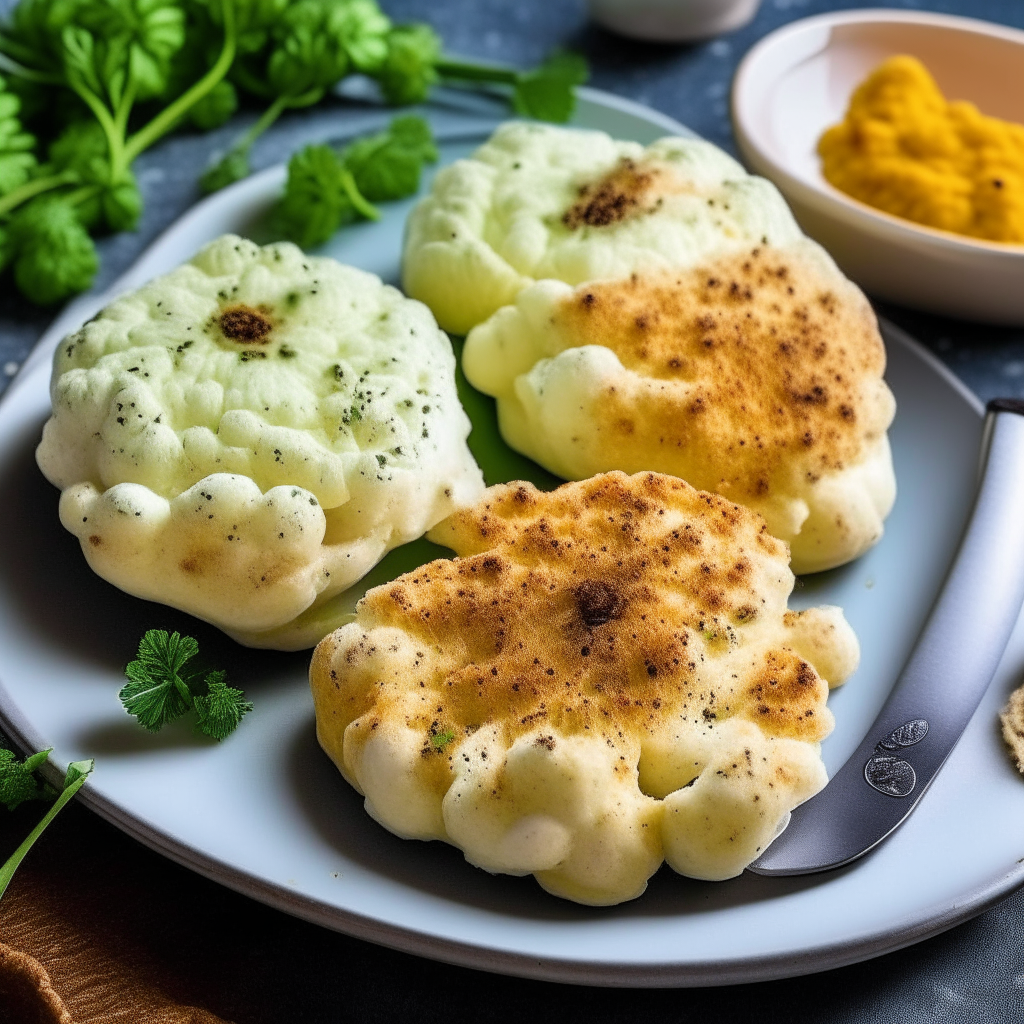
[672, 21]
[797, 82]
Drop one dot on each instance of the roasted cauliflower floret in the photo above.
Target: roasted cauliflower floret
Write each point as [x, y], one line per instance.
[757, 375]
[245, 437]
[538, 201]
[605, 678]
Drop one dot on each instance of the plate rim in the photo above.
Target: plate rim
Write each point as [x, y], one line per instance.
[605, 973]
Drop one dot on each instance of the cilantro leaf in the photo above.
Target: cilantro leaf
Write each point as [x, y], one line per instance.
[315, 202]
[51, 252]
[33, 35]
[158, 690]
[546, 93]
[362, 27]
[387, 166]
[81, 150]
[325, 190]
[215, 108]
[17, 160]
[134, 42]
[408, 70]
[121, 203]
[221, 709]
[253, 20]
[316, 42]
[18, 783]
[164, 683]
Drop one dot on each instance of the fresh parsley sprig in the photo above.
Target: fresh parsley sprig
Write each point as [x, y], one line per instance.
[112, 59]
[18, 784]
[165, 683]
[326, 188]
[86, 86]
[317, 43]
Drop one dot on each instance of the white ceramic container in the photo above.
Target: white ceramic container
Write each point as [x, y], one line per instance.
[672, 21]
[797, 81]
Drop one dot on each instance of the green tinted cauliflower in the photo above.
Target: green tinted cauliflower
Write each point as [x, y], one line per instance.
[538, 202]
[245, 437]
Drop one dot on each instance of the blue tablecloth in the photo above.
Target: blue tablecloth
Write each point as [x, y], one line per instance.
[296, 972]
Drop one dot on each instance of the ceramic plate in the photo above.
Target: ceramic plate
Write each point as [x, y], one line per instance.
[266, 813]
[797, 81]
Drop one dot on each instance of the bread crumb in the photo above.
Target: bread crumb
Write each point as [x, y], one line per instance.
[1012, 717]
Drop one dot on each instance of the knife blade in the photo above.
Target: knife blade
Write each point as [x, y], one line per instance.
[942, 683]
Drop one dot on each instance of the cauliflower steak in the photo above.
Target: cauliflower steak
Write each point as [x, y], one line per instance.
[536, 201]
[756, 374]
[245, 437]
[606, 677]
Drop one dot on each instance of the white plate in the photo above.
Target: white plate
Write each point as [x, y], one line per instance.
[797, 81]
[267, 814]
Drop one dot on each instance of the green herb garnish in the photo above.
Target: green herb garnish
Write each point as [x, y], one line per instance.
[18, 784]
[440, 740]
[164, 684]
[327, 188]
[86, 86]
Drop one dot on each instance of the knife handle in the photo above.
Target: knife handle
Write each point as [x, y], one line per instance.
[940, 687]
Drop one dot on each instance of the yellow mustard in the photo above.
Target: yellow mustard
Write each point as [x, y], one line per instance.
[904, 149]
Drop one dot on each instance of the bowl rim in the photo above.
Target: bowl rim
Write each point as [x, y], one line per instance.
[823, 195]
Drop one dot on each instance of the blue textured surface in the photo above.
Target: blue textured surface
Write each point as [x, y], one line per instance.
[294, 972]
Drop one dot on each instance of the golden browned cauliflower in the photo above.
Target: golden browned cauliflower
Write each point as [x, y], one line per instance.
[606, 677]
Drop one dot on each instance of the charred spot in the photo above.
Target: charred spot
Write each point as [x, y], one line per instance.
[243, 323]
[598, 602]
[805, 675]
[612, 199]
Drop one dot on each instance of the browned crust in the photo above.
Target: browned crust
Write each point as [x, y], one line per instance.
[608, 606]
[759, 368]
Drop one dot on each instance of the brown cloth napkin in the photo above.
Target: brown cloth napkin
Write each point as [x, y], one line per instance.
[71, 947]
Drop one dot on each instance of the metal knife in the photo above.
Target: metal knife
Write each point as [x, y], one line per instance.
[941, 685]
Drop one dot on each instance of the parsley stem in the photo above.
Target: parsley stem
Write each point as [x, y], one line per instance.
[273, 112]
[80, 195]
[358, 200]
[124, 109]
[14, 51]
[169, 116]
[115, 140]
[266, 119]
[33, 188]
[12, 67]
[13, 862]
[476, 72]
